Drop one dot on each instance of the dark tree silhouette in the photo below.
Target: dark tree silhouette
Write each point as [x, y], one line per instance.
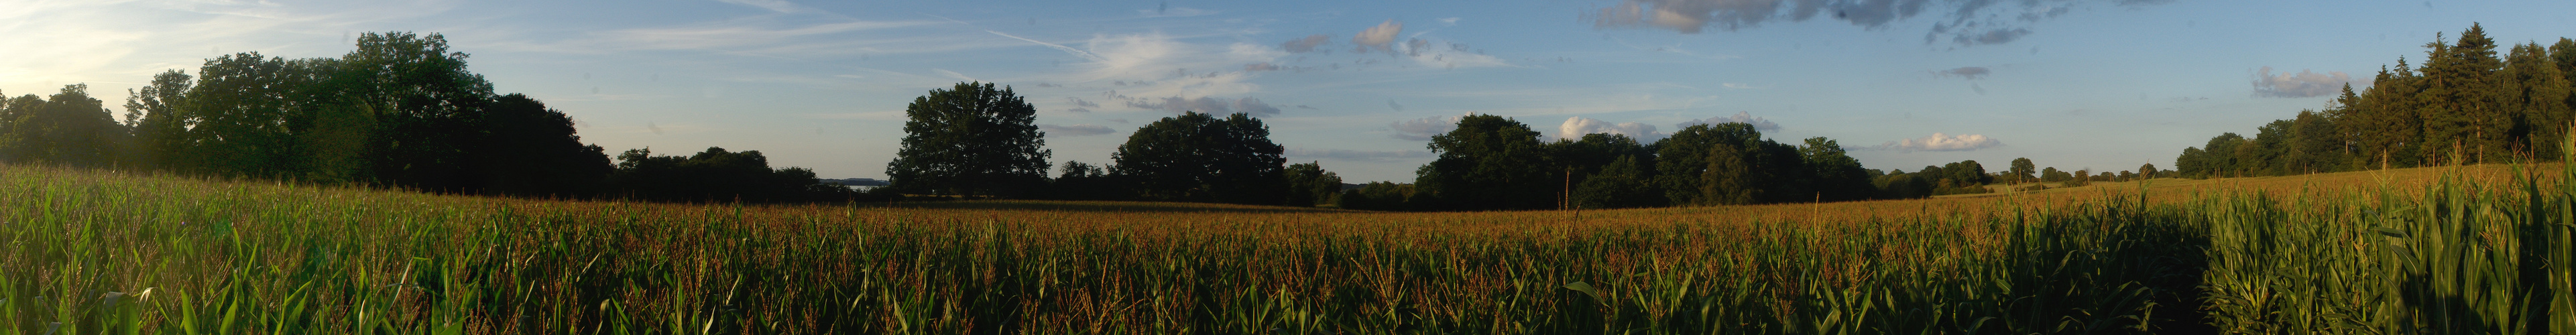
[971, 140]
[1198, 157]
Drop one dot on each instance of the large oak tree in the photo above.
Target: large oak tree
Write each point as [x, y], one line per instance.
[972, 140]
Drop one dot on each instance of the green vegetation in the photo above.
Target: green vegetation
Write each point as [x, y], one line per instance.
[400, 110]
[972, 140]
[1199, 157]
[2463, 99]
[105, 252]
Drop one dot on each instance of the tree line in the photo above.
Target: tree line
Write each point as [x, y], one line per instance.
[401, 110]
[2463, 104]
[977, 140]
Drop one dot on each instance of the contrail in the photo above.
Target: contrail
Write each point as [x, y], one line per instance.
[1066, 49]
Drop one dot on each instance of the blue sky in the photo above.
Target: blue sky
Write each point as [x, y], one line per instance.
[1355, 85]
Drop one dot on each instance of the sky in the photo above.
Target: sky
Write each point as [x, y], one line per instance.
[1355, 85]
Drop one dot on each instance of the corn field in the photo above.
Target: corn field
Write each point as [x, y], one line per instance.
[97, 252]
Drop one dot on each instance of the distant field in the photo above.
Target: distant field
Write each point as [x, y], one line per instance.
[86, 252]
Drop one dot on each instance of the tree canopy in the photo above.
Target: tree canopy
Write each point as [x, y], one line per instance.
[972, 139]
[2463, 104]
[1489, 162]
[1198, 157]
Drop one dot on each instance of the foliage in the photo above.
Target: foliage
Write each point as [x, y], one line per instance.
[718, 176]
[973, 140]
[400, 110]
[527, 149]
[1383, 196]
[2463, 105]
[1198, 157]
[1621, 184]
[1310, 185]
[1083, 181]
[1489, 162]
[1834, 174]
[2022, 170]
[67, 128]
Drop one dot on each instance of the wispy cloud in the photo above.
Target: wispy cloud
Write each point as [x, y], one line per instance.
[1758, 123]
[1059, 47]
[1967, 22]
[1422, 129]
[1075, 130]
[1380, 37]
[1969, 72]
[2301, 85]
[1207, 105]
[1576, 127]
[1360, 155]
[1306, 44]
[1939, 142]
[780, 6]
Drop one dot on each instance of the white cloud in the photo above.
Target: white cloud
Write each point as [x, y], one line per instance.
[1422, 129]
[781, 6]
[1381, 37]
[1965, 22]
[1306, 44]
[1074, 130]
[1449, 21]
[1576, 127]
[1758, 123]
[1940, 142]
[1453, 56]
[1969, 72]
[1206, 105]
[1166, 67]
[2301, 85]
[1360, 155]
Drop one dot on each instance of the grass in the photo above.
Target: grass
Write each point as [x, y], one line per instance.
[2448, 250]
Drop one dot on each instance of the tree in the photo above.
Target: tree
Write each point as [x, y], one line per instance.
[1621, 184]
[240, 115]
[1197, 157]
[427, 105]
[2266, 153]
[971, 140]
[528, 149]
[2462, 112]
[1489, 162]
[717, 175]
[1681, 160]
[1966, 173]
[1901, 185]
[2312, 145]
[1309, 184]
[2147, 171]
[336, 149]
[1835, 174]
[2021, 170]
[1081, 181]
[1727, 180]
[152, 114]
[2536, 93]
[1378, 196]
[69, 128]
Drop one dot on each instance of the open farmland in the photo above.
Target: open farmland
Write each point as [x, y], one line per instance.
[2443, 250]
